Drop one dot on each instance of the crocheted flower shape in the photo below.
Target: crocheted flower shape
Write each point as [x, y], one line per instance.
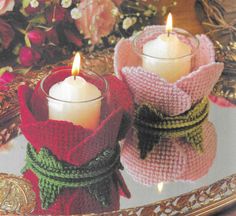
[70, 142]
[170, 98]
[171, 160]
[76, 145]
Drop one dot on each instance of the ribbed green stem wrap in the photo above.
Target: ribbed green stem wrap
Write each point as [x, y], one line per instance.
[55, 175]
[151, 125]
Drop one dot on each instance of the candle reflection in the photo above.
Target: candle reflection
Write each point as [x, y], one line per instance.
[160, 186]
[173, 159]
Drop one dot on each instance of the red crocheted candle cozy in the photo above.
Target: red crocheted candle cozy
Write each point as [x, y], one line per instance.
[76, 145]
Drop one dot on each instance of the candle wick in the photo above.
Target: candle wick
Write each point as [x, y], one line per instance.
[168, 33]
[74, 77]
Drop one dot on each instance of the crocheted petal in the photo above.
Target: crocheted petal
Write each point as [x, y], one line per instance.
[206, 52]
[119, 96]
[42, 134]
[103, 137]
[150, 88]
[163, 164]
[24, 95]
[124, 56]
[199, 83]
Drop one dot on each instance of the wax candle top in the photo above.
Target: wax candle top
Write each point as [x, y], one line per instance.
[79, 100]
[167, 55]
[166, 47]
[74, 90]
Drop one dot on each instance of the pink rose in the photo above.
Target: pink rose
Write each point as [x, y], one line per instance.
[28, 56]
[6, 5]
[52, 36]
[97, 20]
[6, 34]
[36, 36]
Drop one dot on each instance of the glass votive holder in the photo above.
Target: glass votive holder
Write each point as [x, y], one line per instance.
[89, 87]
[171, 55]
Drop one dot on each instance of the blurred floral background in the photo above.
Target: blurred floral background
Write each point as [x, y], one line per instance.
[38, 32]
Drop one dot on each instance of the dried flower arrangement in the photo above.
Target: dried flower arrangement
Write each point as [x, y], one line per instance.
[39, 32]
[219, 20]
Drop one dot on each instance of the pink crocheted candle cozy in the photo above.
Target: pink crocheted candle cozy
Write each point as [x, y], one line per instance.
[61, 153]
[169, 98]
[165, 110]
[171, 160]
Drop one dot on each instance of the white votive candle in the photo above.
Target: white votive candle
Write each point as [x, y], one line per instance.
[77, 101]
[167, 56]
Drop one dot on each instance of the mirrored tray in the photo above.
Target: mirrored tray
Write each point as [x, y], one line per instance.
[146, 199]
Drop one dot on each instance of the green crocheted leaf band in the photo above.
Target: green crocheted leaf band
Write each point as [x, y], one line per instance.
[151, 125]
[55, 175]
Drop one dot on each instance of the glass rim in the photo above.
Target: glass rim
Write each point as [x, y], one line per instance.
[177, 30]
[103, 92]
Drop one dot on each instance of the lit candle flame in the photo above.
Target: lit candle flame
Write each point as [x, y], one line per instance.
[160, 187]
[169, 24]
[76, 65]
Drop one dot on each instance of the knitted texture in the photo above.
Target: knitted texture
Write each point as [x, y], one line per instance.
[55, 175]
[169, 98]
[76, 145]
[172, 160]
[151, 125]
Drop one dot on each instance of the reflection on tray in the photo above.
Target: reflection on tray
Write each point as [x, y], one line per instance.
[171, 160]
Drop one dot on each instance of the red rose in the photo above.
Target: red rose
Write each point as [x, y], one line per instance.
[6, 5]
[36, 36]
[6, 77]
[28, 56]
[6, 34]
[52, 36]
[97, 19]
[32, 10]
